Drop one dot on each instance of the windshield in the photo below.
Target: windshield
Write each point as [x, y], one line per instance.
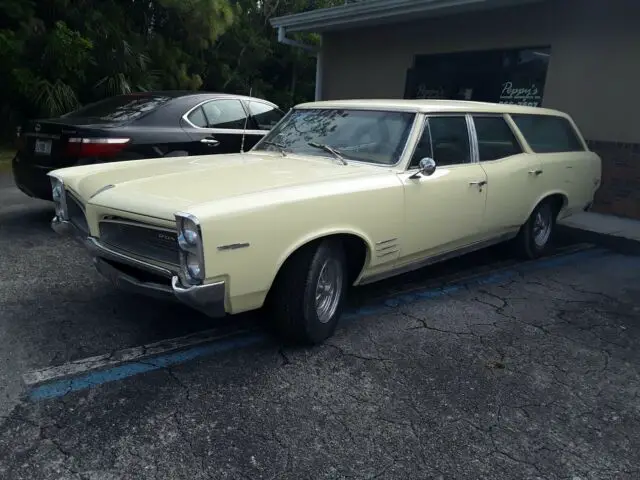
[364, 135]
[120, 108]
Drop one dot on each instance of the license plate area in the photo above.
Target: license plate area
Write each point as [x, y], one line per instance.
[42, 147]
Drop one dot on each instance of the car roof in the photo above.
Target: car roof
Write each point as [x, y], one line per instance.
[431, 106]
[196, 94]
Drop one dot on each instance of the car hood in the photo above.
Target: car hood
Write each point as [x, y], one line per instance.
[160, 187]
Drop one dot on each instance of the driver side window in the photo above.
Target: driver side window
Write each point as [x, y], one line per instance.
[446, 140]
[423, 147]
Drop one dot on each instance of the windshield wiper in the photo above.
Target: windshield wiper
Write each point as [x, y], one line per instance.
[279, 146]
[331, 150]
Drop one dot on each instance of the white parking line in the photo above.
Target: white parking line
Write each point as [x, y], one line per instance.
[98, 362]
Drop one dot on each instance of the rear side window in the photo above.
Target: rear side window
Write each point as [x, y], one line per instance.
[265, 115]
[225, 114]
[120, 108]
[197, 118]
[495, 138]
[548, 133]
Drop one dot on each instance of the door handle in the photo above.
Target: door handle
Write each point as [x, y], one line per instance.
[535, 172]
[480, 183]
[212, 142]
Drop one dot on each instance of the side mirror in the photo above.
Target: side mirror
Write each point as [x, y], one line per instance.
[426, 167]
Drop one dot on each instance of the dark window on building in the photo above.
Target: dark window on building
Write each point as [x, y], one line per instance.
[502, 76]
[548, 133]
[449, 140]
[197, 118]
[265, 115]
[495, 138]
[228, 114]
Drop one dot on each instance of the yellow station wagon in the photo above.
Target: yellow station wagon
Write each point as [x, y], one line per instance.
[339, 193]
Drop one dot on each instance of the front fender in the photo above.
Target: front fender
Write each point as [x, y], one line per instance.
[322, 233]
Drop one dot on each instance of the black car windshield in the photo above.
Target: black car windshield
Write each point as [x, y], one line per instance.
[120, 108]
[372, 136]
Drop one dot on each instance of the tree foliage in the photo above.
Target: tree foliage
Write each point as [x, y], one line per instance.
[58, 54]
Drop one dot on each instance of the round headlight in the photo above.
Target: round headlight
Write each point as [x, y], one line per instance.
[56, 193]
[194, 269]
[190, 232]
[191, 236]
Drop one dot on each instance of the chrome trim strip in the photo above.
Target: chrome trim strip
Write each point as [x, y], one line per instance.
[102, 189]
[228, 130]
[99, 250]
[233, 246]
[438, 258]
[473, 139]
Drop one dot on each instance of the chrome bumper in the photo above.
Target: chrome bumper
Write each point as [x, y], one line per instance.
[208, 299]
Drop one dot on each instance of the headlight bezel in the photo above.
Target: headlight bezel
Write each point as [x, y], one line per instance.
[57, 185]
[190, 246]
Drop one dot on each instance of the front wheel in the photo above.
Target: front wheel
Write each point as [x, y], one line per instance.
[310, 291]
[535, 238]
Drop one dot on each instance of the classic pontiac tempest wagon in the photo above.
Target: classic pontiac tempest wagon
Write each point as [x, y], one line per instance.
[337, 194]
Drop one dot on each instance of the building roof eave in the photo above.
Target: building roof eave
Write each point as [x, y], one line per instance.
[376, 12]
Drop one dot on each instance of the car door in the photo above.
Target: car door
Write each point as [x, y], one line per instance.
[567, 163]
[514, 176]
[217, 127]
[444, 210]
[263, 118]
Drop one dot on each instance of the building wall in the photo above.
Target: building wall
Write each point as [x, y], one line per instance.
[593, 73]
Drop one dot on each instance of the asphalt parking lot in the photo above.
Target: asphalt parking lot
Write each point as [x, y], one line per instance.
[481, 368]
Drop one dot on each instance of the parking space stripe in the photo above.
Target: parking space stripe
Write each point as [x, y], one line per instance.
[60, 388]
[60, 380]
[81, 366]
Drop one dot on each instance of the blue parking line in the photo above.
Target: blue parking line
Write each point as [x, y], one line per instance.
[60, 388]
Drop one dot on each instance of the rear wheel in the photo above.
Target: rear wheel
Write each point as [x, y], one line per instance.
[535, 238]
[309, 293]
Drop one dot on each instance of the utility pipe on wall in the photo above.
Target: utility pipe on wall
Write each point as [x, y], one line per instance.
[282, 38]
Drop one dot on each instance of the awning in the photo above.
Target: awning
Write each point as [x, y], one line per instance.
[377, 12]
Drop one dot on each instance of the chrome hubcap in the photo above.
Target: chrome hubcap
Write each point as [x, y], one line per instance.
[328, 290]
[542, 226]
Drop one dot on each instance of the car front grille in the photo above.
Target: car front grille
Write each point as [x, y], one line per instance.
[76, 214]
[152, 243]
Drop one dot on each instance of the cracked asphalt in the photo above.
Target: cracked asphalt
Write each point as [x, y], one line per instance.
[536, 376]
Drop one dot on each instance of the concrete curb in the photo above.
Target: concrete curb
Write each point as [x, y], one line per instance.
[622, 245]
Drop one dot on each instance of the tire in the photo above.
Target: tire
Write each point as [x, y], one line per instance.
[535, 238]
[302, 314]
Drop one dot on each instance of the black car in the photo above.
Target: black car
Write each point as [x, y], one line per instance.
[137, 126]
